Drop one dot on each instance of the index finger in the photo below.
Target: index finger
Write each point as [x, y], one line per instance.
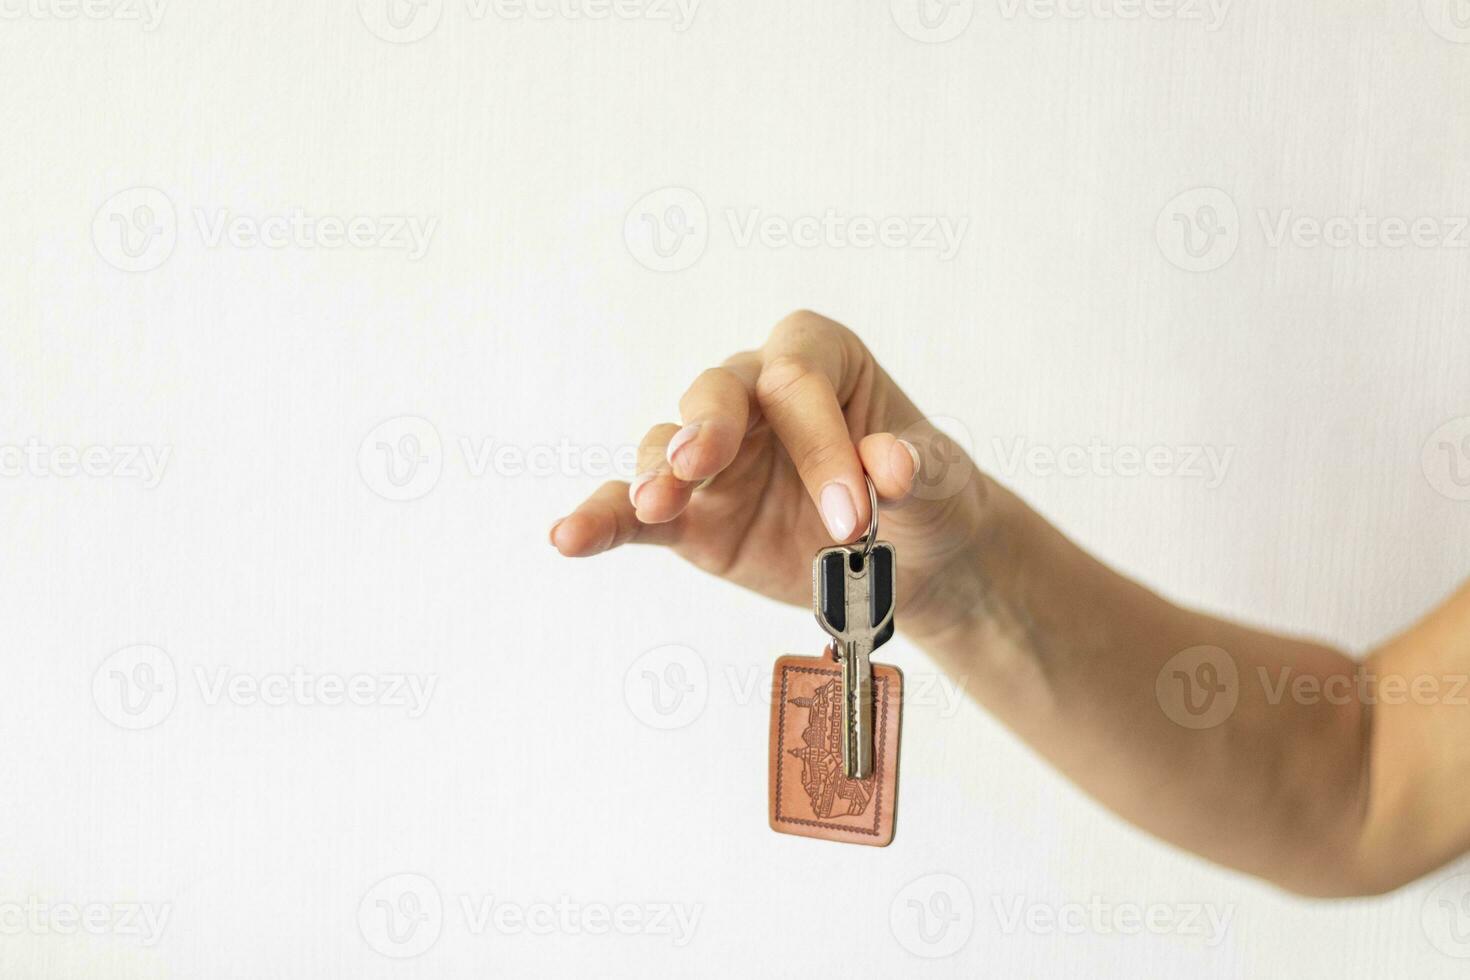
[810, 367]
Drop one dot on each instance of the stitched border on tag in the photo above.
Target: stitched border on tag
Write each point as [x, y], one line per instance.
[880, 682]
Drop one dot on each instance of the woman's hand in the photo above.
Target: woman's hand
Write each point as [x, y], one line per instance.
[784, 435]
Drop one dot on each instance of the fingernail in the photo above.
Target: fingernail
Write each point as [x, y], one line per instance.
[551, 535]
[913, 453]
[838, 511]
[639, 482]
[681, 439]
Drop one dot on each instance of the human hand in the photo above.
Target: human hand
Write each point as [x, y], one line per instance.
[784, 435]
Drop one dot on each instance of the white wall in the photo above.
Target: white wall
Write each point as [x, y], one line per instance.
[530, 320]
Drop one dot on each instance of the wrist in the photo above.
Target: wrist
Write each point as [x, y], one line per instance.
[985, 634]
[957, 605]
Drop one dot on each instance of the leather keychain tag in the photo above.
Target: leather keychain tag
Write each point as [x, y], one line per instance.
[811, 794]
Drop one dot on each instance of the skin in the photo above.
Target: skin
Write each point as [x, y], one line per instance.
[1330, 776]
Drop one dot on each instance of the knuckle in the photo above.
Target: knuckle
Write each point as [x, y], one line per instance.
[816, 456]
[822, 340]
[781, 378]
[801, 316]
[798, 324]
[812, 326]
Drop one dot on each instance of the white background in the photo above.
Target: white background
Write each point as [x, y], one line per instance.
[536, 774]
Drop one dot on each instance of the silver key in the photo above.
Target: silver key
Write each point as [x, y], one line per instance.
[853, 598]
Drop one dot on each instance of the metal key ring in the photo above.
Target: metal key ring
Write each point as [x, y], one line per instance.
[871, 538]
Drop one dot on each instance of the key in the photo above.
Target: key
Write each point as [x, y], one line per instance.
[853, 600]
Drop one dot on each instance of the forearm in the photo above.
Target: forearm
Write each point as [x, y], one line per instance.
[1069, 654]
[1419, 686]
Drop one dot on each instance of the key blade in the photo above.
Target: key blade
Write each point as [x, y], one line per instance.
[857, 704]
[857, 676]
[853, 599]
